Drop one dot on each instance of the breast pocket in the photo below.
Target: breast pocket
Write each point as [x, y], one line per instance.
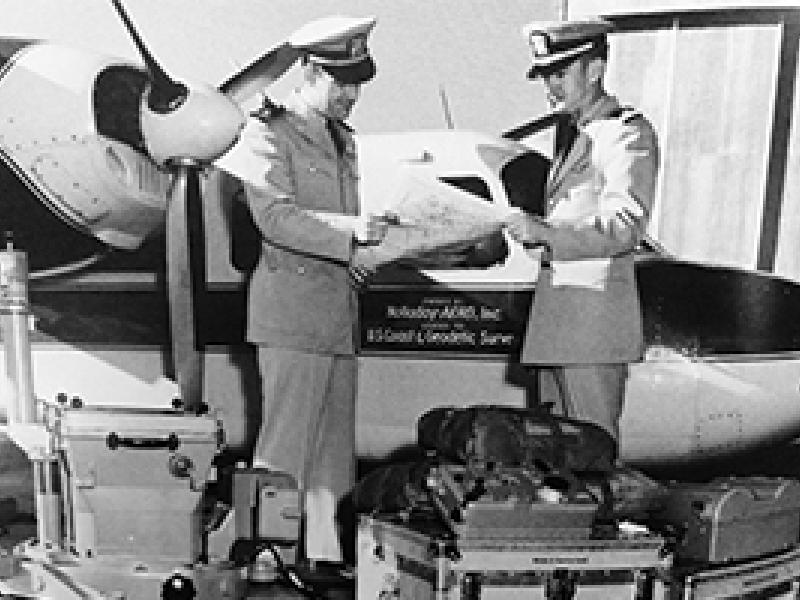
[583, 186]
[313, 167]
[316, 181]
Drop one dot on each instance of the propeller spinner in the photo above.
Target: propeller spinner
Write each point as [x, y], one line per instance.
[181, 121]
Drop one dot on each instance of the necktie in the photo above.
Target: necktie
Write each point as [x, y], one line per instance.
[566, 133]
[336, 135]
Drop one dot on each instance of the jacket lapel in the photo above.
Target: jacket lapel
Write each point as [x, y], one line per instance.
[605, 106]
[579, 150]
[310, 125]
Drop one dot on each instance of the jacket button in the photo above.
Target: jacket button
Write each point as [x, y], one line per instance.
[301, 270]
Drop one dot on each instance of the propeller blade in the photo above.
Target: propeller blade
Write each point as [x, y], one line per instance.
[185, 280]
[251, 80]
[165, 94]
[531, 127]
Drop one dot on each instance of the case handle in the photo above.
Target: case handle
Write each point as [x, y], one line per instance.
[114, 441]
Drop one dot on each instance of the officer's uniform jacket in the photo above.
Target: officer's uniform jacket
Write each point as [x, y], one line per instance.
[300, 296]
[598, 200]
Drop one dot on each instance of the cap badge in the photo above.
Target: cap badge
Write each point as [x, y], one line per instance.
[540, 44]
[358, 46]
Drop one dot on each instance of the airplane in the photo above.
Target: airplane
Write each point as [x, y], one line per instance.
[88, 186]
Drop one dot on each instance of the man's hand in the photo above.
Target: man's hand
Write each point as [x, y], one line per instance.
[370, 229]
[365, 260]
[528, 230]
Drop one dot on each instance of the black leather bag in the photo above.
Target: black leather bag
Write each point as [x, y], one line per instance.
[516, 437]
[399, 487]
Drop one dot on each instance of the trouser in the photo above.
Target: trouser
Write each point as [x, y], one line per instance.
[308, 431]
[593, 393]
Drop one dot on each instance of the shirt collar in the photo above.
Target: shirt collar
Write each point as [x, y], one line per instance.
[312, 123]
[298, 105]
[604, 105]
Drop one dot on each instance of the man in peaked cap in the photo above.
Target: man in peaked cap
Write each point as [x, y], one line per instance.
[585, 322]
[301, 303]
[555, 44]
[339, 45]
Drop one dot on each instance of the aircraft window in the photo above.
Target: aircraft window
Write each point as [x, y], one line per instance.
[117, 95]
[473, 185]
[524, 179]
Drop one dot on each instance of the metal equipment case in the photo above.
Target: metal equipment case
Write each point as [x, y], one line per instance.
[776, 577]
[132, 481]
[503, 503]
[734, 518]
[401, 562]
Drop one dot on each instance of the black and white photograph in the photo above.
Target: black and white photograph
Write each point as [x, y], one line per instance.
[412, 300]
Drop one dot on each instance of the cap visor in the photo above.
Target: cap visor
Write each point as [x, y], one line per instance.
[351, 74]
[542, 70]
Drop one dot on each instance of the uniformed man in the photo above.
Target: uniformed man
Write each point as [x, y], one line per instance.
[585, 322]
[302, 304]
